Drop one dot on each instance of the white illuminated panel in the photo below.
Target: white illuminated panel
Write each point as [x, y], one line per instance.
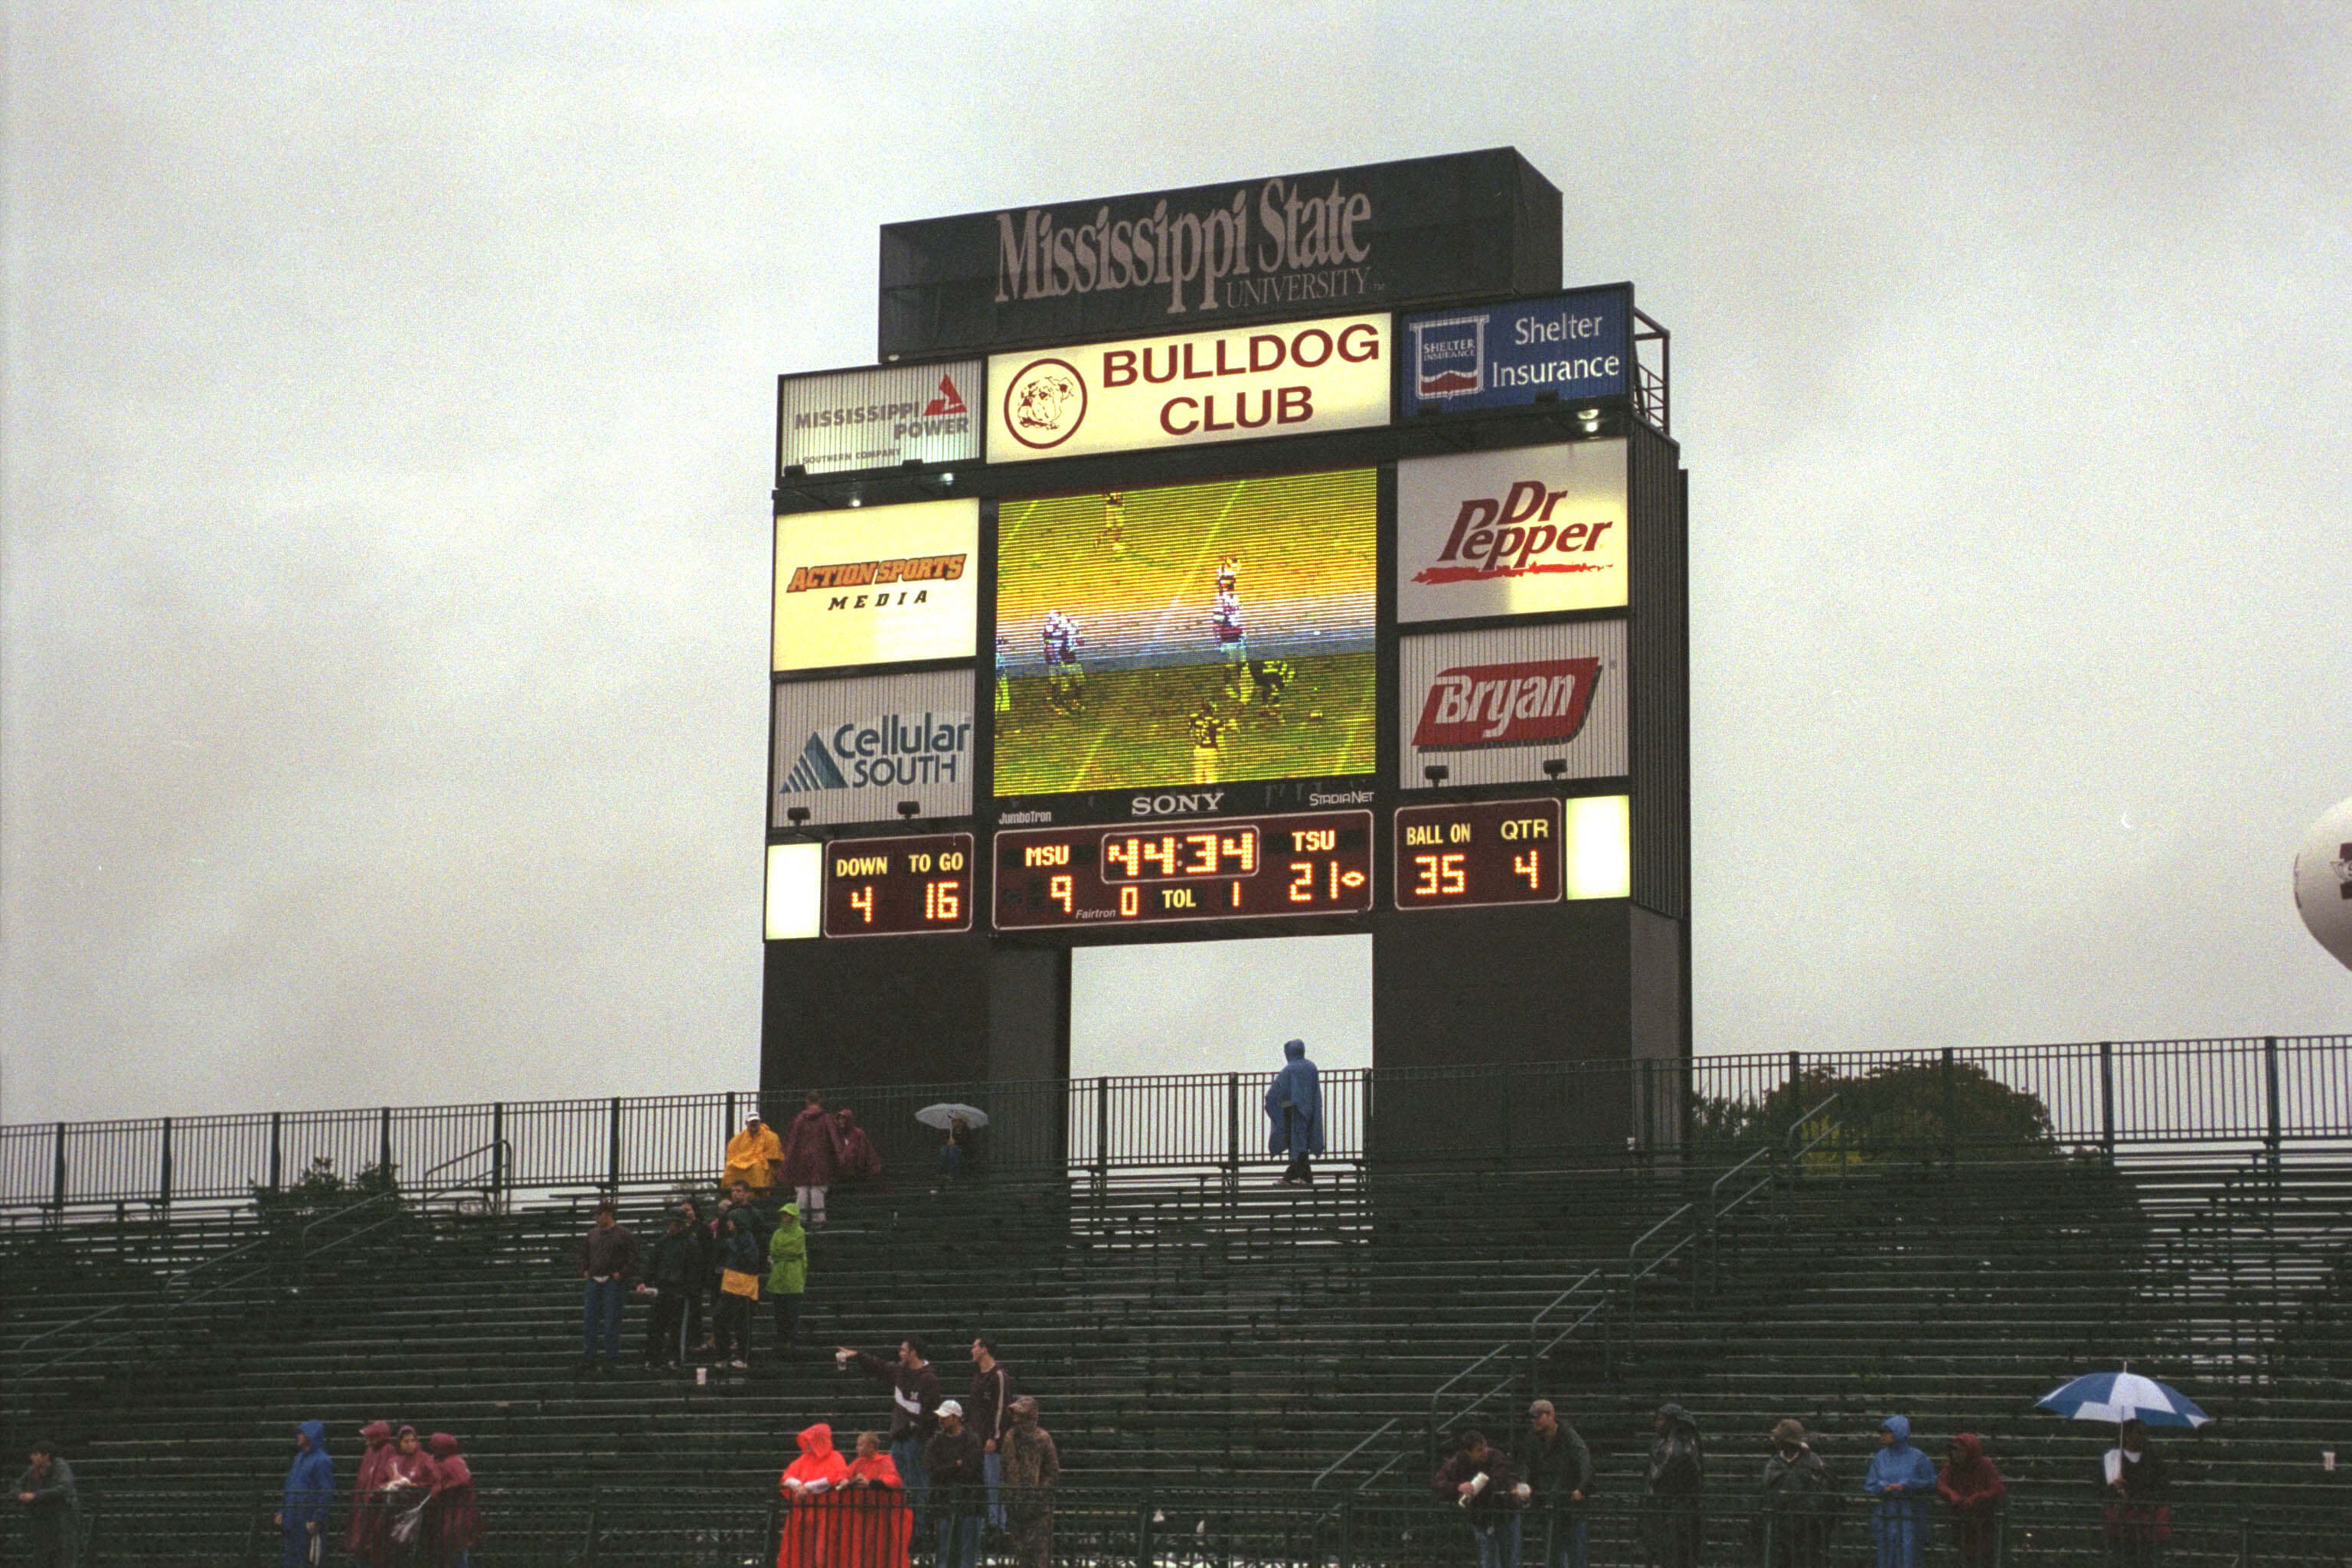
[795, 890]
[883, 585]
[1286, 378]
[1600, 846]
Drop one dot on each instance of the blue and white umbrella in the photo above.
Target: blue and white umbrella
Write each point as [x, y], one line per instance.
[2119, 1396]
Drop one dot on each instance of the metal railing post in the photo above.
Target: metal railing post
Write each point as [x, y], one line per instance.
[1951, 1109]
[1102, 1128]
[276, 1150]
[613, 1153]
[2272, 1138]
[58, 1175]
[1796, 1081]
[498, 1172]
[2107, 1099]
[163, 1176]
[1234, 1124]
[384, 1142]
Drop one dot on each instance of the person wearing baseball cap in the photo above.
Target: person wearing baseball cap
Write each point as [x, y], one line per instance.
[953, 1460]
[1556, 1468]
[753, 1155]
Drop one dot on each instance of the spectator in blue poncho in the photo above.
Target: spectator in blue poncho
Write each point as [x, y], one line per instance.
[309, 1496]
[1901, 1481]
[1294, 1104]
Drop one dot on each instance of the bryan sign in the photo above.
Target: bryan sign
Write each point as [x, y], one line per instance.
[1570, 347]
[842, 421]
[1511, 532]
[1495, 706]
[1178, 392]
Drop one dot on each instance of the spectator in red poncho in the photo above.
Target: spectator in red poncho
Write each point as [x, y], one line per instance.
[879, 1524]
[407, 1491]
[859, 1160]
[811, 1527]
[454, 1520]
[812, 1158]
[365, 1538]
[1973, 1488]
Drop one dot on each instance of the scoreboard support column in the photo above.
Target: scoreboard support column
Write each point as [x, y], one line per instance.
[1600, 980]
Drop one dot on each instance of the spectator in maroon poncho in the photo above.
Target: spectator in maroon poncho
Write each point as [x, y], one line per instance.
[364, 1537]
[859, 1160]
[407, 1491]
[1973, 1488]
[454, 1520]
[812, 1157]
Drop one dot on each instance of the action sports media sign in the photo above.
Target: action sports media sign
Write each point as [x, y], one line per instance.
[1375, 238]
[1285, 380]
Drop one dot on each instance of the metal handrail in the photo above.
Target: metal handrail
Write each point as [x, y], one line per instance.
[1383, 1430]
[1534, 1355]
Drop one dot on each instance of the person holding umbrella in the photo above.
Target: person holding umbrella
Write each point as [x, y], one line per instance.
[2131, 1477]
[2137, 1487]
[957, 1122]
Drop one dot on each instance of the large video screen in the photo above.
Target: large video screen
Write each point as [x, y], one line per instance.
[1191, 634]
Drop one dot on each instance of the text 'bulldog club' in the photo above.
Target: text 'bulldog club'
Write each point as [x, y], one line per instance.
[1532, 702]
[1047, 400]
[1513, 536]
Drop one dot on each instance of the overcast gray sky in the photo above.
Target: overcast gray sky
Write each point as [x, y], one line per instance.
[388, 421]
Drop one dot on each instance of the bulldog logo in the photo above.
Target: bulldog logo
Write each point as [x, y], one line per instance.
[1045, 403]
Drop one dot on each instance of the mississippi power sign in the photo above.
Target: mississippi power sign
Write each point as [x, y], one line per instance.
[1464, 226]
[840, 421]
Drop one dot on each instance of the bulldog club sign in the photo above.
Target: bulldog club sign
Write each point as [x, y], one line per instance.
[1240, 385]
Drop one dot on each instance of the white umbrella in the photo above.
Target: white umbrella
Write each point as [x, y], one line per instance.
[940, 1115]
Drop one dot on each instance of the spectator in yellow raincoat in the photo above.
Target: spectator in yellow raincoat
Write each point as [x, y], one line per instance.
[753, 1156]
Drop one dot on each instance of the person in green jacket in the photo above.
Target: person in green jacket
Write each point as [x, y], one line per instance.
[787, 1272]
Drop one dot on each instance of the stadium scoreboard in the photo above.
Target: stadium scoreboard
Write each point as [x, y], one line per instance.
[1292, 555]
[894, 887]
[1484, 852]
[1307, 863]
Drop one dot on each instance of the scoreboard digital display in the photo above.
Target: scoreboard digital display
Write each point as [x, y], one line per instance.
[1487, 852]
[894, 887]
[1307, 863]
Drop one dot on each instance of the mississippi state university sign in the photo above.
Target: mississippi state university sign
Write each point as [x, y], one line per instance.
[1466, 226]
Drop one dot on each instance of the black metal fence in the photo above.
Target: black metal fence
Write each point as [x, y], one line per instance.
[2261, 1092]
[1226, 1528]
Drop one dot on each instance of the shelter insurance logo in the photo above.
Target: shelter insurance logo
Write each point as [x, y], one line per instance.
[1532, 702]
[1514, 536]
[1045, 403]
[1449, 356]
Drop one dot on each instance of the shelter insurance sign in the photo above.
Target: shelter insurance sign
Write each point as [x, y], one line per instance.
[883, 585]
[1426, 230]
[1492, 707]
[1513, 532]
[840, 421]
[852, 750]
[1237, 386]
[1569, 347]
